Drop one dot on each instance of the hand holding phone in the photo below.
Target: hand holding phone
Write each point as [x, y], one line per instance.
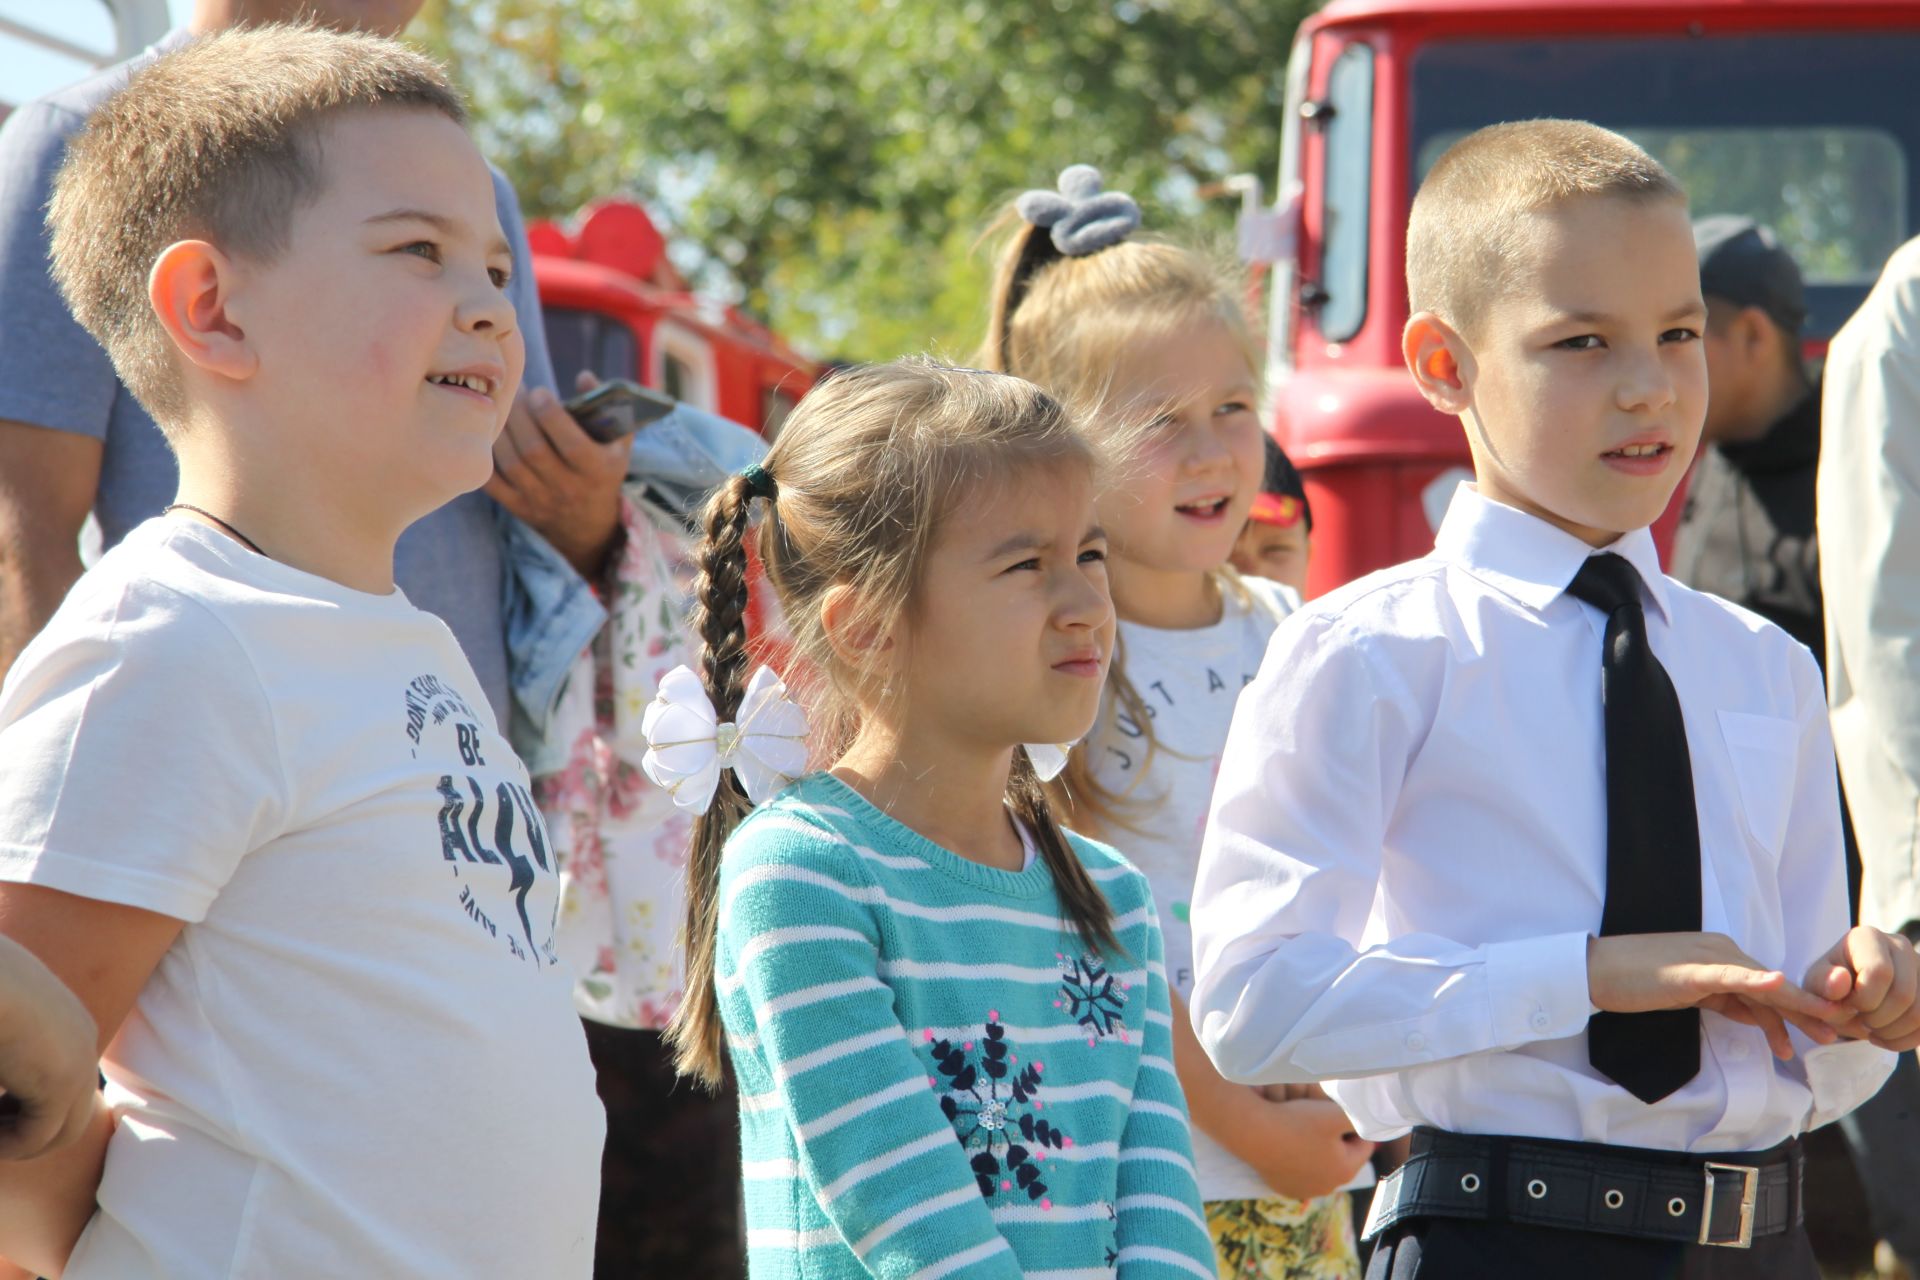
[618, 408]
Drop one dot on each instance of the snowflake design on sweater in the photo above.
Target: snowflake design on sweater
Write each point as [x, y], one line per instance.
[993, 1103]
[1092, 997]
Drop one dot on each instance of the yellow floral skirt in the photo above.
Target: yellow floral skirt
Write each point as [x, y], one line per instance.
[1281, 1239]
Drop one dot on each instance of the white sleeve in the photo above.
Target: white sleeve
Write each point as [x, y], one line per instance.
[1813, 902]
[1869, 537]
[138, 761]
[1283, 992]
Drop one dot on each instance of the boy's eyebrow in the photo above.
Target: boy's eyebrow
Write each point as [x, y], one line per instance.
[1684, 311]
[438, 221]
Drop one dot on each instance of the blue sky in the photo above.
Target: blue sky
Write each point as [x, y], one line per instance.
[27, 71]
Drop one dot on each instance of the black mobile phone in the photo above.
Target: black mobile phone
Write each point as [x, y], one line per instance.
[618, 408]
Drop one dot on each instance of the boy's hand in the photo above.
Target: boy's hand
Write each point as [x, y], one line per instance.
[549, 472]
[48, 1058]
[1876, 977]
[1641, 972]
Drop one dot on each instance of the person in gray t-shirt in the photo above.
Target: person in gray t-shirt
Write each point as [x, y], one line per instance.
[74, 440]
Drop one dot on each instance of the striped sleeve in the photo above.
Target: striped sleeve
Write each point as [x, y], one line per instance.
[1162, 1230]
[801, 946]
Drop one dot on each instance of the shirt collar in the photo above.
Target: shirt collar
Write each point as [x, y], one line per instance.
[1522, 556]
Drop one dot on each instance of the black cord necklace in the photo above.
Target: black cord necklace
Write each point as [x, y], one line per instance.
[242, 538]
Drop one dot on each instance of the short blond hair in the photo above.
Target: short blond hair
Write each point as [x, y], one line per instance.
[216, 141]
[1464, 235]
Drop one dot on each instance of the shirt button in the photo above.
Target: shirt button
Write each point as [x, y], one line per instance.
[1539, 1020]
[1416, 1042]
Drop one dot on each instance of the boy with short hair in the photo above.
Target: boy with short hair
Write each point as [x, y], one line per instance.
[1517, 845]
[256, 811]
[1278, 537]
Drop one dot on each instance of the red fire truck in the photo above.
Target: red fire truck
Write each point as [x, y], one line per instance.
[1796, 112]
[614, 303]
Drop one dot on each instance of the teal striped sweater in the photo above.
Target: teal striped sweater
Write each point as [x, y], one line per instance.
[936, 1079]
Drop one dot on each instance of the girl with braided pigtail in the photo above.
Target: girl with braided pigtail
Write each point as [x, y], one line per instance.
[947, 1017]
[1151, 336]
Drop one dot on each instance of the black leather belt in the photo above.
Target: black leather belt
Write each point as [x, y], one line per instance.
[1725, 1200]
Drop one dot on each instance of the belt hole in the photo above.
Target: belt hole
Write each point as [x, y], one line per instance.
[1537, 1189]
[1676, 1206]
[1614, 1199]
[1469, 1182]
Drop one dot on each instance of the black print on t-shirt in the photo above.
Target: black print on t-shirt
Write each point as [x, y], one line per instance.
[513, 809]
[1127, 726]
[491, 832]
[429, 699]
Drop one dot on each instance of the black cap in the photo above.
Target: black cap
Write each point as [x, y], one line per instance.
[1742, 261]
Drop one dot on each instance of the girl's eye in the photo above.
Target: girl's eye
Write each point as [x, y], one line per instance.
[1032, 563]
[1585, 342]
[1235, 406]
[1680, 335]
[500, 276]
[423, 249]
[1094, 555]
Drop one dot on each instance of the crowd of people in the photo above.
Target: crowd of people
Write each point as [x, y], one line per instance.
[1073, 899]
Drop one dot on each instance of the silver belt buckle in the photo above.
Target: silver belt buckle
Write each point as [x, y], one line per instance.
[1720, 1180]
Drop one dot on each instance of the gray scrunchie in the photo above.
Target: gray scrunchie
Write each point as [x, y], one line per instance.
[1081, 218]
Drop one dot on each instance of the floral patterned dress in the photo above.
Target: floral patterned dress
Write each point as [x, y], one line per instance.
[624, 842]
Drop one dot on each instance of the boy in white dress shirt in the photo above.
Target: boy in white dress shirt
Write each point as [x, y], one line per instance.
[1524, 846]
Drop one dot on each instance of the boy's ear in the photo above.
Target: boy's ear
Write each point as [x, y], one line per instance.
[190, 289]
[854, 640]
[1438, 358]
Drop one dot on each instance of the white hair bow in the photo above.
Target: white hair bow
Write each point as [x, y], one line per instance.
[688, 746]
[1049, 759]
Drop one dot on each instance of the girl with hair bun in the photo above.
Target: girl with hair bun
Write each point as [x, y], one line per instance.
[1150, 339]
[947, 1017]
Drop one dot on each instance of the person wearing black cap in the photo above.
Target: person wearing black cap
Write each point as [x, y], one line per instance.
[1747, 534]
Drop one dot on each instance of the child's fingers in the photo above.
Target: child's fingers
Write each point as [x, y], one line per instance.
[1896, 1028]
[1831, 981]
[1901, 1042]
[1767, 1020]
[1902, 985]
[1870, 955]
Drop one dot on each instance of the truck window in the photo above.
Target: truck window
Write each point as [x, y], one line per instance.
[579, 340]
[1812, 134]
[1347, 185]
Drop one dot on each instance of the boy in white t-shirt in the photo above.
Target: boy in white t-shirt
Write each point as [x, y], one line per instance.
[255, 809]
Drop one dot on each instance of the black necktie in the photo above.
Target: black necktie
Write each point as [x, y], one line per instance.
[1653, 831]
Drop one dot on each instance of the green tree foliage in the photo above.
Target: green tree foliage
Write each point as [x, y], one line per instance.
[838, 160]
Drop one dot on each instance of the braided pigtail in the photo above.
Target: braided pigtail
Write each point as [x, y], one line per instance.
[1086, 906]
[719, 619]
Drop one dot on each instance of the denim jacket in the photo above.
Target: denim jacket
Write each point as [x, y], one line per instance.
[551, 613]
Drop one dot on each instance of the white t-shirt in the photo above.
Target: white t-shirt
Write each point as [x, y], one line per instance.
[1190, 681]
[360, 1056]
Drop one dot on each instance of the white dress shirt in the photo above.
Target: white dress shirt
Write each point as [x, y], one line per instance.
[1407, 850]
[1869, 532]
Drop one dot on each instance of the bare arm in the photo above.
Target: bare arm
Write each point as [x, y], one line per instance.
[104, 953]
[47, 484]
[1301, 1148]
